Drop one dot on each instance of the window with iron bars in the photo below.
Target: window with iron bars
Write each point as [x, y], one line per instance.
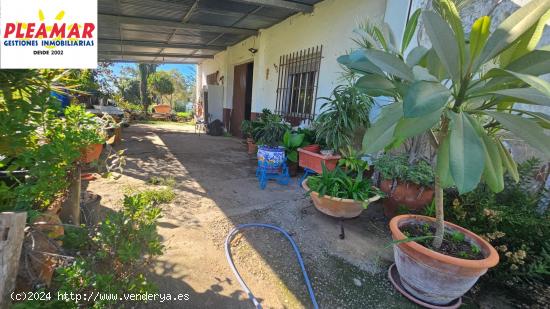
[297, 85]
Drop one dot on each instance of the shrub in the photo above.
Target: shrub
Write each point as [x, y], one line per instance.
[509, 220]
[117, 254]
[398, 167]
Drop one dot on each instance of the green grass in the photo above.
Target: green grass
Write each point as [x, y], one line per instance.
[162, 181]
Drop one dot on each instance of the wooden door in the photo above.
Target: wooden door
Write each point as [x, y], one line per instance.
[239, 98]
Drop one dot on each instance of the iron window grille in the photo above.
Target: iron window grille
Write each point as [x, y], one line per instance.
[297, 84]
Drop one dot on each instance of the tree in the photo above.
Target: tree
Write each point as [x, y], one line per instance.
[145, 70]
[129, 89]
[160, 85]
[463, 95]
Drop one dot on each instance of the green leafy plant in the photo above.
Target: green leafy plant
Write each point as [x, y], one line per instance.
[337, 183]
[398, 167]
[511, 221]
[352, 161]
[462, 95]
[247, 128]
[344, 117]
[292, 141]
[270, 129]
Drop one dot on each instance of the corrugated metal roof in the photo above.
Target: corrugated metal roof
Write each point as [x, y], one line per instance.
[157, 30]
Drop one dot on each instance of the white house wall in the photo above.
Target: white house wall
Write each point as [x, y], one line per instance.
[331, 24]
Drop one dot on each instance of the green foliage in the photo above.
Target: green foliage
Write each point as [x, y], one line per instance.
[292, 141]
[162, 181]
[510, 222]
[185, 115]
[34, 138]
[337, 183]
[160, 84]
[459, 94]
[352, 161]
[247, 127]
[111, 259]
[344, 116]
[398, 167]
[270, 129]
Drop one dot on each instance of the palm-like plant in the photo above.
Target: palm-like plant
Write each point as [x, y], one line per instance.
[343, 115]
[461, 91]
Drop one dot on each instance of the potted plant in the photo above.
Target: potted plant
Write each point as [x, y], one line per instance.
[247, 127]
[343, 120]
[355, 163]
[269, 134]
[339, 195]
[463, 96]
[407, 184]
[292, 141]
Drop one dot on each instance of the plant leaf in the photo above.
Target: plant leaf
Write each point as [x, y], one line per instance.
[452, 17]
[390, 64]
[526, 129]
[424, 98]
[371, 81]
[525, 95]
[508, 162]
[512, 28]
[444, 43]
[534, 63]
[410, 29]
[466, 153]
[380, 134]
[415, 55]
[526, 42]
[409, 127]
[493, 171]
[478, 36]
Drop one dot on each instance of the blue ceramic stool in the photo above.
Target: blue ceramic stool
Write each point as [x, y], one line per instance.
[271, 171]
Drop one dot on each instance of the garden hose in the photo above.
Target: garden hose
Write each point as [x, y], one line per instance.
[240, 279]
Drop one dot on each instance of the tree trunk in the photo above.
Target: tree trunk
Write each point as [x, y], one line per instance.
[439, 215]
[439, 211]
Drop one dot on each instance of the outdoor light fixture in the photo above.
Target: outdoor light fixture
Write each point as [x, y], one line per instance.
[253, 50]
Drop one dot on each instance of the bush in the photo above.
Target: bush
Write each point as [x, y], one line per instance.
[398, 167]
[118, 253]
[509, 220]
[184, 115]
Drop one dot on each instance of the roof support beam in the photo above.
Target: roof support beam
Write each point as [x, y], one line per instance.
[110, 19]
[168, 56]
[282, 4]
[160, 44]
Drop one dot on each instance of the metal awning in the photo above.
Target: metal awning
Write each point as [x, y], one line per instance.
[184, 31]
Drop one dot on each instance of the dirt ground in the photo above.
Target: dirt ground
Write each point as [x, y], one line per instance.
[216, 190]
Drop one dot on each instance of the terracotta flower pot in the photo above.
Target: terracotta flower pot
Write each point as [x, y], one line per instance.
[313, 148]
[251, 146]
[434, 277]
[91, 153]
[292, 168]
[338, 207]
[314, 160]
[409, 195]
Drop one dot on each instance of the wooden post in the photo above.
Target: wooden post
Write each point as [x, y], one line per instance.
[70, 210]
[12, 232]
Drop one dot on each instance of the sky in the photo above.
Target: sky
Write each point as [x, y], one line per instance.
[185, 69]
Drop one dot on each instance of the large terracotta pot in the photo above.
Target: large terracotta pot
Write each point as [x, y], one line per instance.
[162, 109]
[434, 277]
[405, 194]
[313, 160]
[338, 207]
[91, 153]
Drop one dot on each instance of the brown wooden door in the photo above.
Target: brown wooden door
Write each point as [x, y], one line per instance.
[239, 98]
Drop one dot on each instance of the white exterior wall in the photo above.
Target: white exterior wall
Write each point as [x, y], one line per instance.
[331, 24]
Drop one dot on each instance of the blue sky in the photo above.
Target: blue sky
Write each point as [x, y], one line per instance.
[185, 69]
